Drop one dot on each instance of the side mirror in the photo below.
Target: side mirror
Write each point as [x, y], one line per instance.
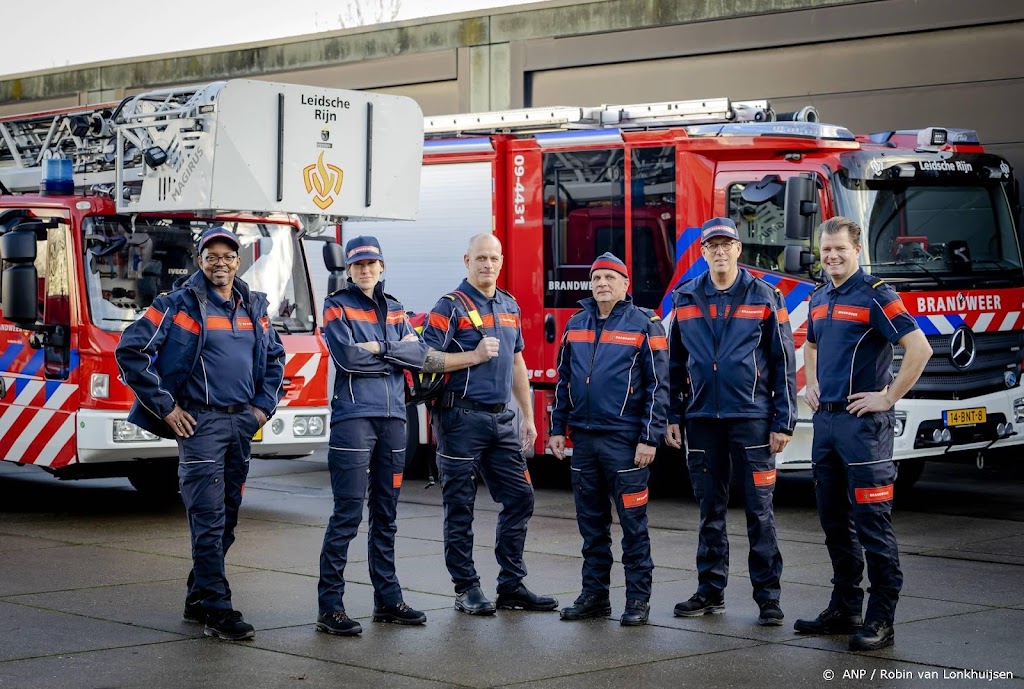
[334, 260]
[334, 257]
[19, 284]
[801, 206]
[796, 259]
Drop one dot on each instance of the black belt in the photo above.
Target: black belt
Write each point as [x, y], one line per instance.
[449, 401]
[834, 407]
[230, 409]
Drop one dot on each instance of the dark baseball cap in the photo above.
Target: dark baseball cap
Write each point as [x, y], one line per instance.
[363, 248]
[718, 227]
[220, 234]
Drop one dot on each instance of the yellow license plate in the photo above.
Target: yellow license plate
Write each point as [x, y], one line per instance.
[964, 417]
[258, 437]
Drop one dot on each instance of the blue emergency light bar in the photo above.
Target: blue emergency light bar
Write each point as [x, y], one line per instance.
[579, 137]
[476, 144]
[58, 178]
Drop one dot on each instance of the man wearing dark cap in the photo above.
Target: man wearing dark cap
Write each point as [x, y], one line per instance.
[371, 343]
[476, 431]
[733, 382]
[206, 369]
[612, 394]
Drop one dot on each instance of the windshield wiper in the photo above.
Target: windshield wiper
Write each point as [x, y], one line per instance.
[118, 320]
[931, 274]
[283, 323]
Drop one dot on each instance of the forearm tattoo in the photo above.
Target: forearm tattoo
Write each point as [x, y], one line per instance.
[434, 362]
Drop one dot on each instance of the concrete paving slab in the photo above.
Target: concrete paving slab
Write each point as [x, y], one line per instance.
[768, 665]
[551, 575]
[977, 583]
[983, 640]
[917, 531]
[77, 567]
[268, 600]
[508, 647]
[10, 543]
[196, 663]
[297, 551]
[28, 632]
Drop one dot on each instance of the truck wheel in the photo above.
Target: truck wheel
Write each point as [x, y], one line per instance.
[159, 481]
[907, 473]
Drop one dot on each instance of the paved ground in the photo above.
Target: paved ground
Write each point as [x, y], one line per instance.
[91, 586]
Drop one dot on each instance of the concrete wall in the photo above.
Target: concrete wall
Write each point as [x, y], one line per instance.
[868, 64]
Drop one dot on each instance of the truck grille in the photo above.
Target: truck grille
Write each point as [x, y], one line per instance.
[997, 353]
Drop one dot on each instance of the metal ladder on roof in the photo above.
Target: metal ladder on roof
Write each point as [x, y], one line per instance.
[96, 137]
[635, 116]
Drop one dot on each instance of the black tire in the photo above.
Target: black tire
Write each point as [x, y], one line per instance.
[156, 481]
[907, 473]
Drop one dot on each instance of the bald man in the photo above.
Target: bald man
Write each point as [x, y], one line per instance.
[476, 430]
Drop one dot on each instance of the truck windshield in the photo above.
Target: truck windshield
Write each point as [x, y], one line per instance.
[127, 265]
[932, 231]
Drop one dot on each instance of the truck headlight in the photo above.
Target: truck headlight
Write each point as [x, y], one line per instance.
[308, 426]
[900, 424]
[99, 386]
[127, 432]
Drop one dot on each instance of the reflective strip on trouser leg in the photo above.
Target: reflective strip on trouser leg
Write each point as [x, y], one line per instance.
[750, 440]
[348, 457]
[870, 439]
[708, 444]
[458, 444]
[630, 494]
[503, 469]
[593, 513]
[211, 470]
[387, 462]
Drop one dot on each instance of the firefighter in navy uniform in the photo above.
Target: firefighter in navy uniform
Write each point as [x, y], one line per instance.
[733, 382]
[371, 343]
[206, 368]
[612, 393]
[475, 430]
[854, 321]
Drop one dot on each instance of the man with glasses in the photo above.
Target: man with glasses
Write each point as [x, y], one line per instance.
[733, 382]
[206, 369]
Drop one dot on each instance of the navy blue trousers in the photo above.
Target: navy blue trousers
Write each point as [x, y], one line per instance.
[471, 443]
[715, 448]
[602, 468]
[853, 481]
[212, 466]
[365, 456]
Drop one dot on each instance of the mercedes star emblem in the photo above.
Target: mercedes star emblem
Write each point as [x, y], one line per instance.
[962, 349]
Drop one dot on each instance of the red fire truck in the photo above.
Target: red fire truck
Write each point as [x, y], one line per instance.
[559, 186]
[100, 210]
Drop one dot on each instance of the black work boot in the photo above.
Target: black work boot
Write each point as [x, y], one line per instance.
[474, 602]
[399, 614]
[831, 621]
[194, 612]
[875, 634]
[228, 624]
[698, 605]
[586, 607]
[771, 614]
[636, 614]
[338, 623]
[522, 598]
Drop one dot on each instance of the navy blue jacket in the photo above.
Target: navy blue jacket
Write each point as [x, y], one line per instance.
[159, 352]
[853, 326]
[619, 383]
[449, 329]
[747, 373]
[369, 385]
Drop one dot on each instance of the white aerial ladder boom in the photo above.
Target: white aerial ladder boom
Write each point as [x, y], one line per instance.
[635, 116]
[240, 145]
